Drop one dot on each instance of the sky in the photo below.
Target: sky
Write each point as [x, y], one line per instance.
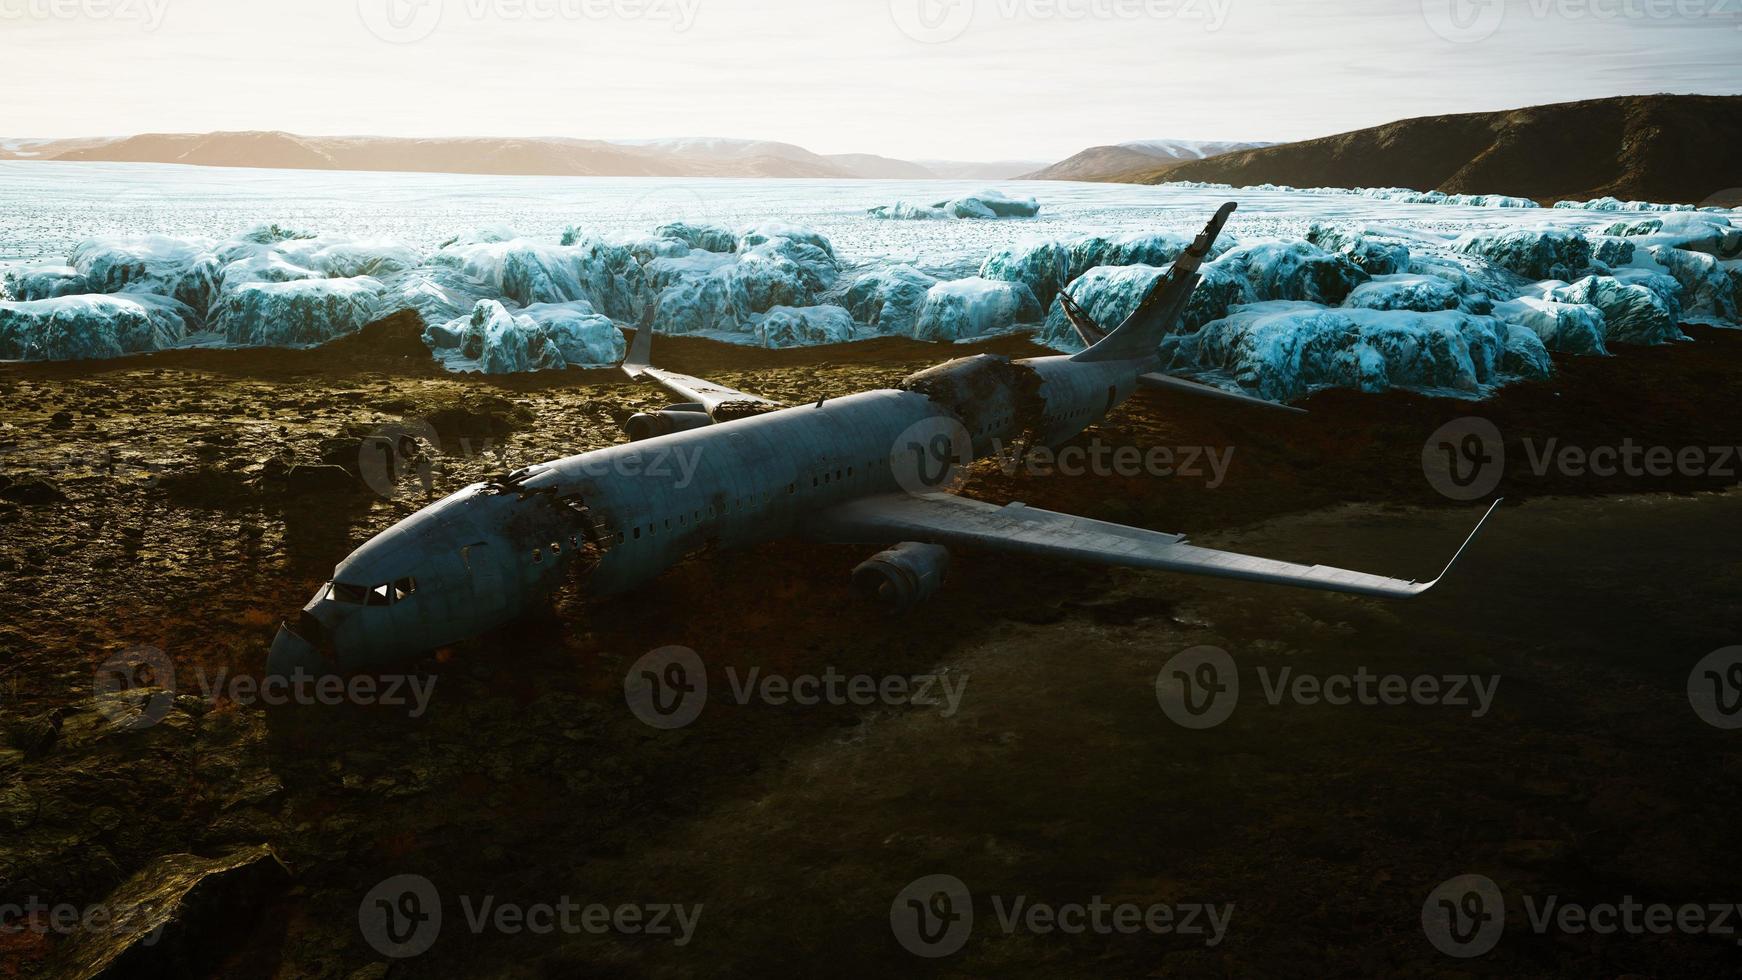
[918, 79]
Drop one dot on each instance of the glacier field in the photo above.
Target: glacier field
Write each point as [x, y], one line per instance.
[1309, 287]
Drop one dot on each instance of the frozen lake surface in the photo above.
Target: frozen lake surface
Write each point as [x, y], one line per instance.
[47, 208]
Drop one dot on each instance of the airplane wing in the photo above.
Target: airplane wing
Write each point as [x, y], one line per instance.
[694, 390]
[946, 519]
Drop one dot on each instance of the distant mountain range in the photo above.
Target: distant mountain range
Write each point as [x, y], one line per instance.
[545, 156]
[1665, 148]
[1110, 162]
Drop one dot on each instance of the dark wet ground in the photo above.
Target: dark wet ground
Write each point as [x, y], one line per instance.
[1060, 778]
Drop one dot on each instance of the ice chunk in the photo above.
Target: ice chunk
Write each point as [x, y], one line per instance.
[583, 338]
[1283, 350]
[1698, 231]
[1525, 356]
[1045, 267]
[708, 238]
[34, 282]
[1372, 254]
[991, 203]
[542, 337]
[95, 325]
[1569, 328]
[1293, 271]
[185, 269]
[966, 308]
[267, 266]
[785, 271]
[296, 313]
[980, 206]
[349, 259]
[487, 235]
[528, 273]
[716, 301]
[272, 233]
[1611, 250]
[908, 211]
[668, 270]
[1423, 294]
[786, 326]
[500, 342]
[1615, 204]
[889, 298]
[1632, 313]
[769, 231]
[1707, 288]
[1532, 254]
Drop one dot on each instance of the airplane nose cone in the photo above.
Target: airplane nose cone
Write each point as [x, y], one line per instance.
[291, 654]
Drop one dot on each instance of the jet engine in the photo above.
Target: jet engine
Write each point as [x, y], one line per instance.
[672, 418]
[904, 575]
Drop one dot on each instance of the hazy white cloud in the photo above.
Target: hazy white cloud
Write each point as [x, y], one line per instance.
[918, 78]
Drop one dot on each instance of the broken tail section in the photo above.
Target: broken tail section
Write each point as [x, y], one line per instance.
[1142, 331]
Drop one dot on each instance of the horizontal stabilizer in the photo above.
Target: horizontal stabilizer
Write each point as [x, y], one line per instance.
[1168, 382]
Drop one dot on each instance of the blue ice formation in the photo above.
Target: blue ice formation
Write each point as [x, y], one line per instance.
[980, 206]
[965, 308]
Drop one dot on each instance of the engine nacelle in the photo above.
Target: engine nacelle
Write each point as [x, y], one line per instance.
[904, 575]
[673, 418]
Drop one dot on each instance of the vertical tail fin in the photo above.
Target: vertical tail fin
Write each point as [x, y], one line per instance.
[1138, 336]
[641, 348]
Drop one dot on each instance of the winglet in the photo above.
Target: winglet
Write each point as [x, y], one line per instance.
[1461, 548]
[640, 354]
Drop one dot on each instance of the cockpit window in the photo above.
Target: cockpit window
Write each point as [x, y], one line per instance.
[379, 595]
[343, 592]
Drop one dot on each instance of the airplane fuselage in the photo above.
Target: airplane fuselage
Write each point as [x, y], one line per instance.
[620, 516]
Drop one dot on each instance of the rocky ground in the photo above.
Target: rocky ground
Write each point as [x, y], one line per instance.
[184, 503]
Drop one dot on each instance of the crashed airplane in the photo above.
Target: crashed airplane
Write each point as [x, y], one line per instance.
[876, 467]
